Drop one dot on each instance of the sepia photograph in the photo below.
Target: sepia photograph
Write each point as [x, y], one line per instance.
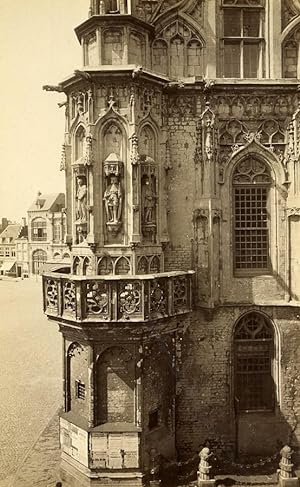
[150, 243]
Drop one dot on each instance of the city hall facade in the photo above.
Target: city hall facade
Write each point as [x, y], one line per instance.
[180, 316]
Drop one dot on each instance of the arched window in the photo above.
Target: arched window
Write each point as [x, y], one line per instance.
[160, 56]
[177, 57]
[39, 230]
[290, 49]
[177, 51]
[76, 266]
[251, 184]
[87, 269]
[39, 257]
[79, 143]
[194, 58]
[57, 232]
[105, 266]
[143, 265]
[113, 47]
[147, 142]
[254, 386]
[122, 266]
[115, 387]
[91, 58]
[136, 48]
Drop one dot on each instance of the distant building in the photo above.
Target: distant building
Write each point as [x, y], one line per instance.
[8, 257]
[22, 263]
[3, 224]
[46, 232]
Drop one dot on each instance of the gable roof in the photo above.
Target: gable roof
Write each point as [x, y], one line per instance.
[12, 231]
[48, 202]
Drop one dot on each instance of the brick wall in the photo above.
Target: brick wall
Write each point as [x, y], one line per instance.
[158, 395]
[78, 372]
[205, 400]
[115, 386]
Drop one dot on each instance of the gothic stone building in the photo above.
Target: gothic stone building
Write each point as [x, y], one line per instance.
[180, 317]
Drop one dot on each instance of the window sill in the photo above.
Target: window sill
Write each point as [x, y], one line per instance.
[262, 274]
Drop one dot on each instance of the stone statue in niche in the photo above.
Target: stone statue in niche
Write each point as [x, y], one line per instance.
[81, 199]
[149, 201]
[81, 233]
[113, 201]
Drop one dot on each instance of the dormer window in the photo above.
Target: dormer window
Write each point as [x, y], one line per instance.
[243, 39]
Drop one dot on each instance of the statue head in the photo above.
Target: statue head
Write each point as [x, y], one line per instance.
[286, 452]
[80, 180]
[205, 453]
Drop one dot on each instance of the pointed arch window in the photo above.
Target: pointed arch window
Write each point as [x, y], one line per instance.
[254, 364]
[251, 185]
[290, 55]
[160, 56]
[178, 51]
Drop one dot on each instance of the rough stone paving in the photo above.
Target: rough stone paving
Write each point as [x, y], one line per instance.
[30, 374]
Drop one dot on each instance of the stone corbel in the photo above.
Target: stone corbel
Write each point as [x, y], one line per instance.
[216, 214]
[201, 213]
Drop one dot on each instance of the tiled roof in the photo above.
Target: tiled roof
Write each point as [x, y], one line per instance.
[12, 231]
[48, 202]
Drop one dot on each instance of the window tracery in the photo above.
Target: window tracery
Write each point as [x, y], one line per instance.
[113, 41]
[251, 182]
[178, 51]
[290, 56]
[253, 363]
[79, 143]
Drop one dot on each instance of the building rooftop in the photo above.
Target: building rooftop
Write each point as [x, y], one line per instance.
[12, 231]
[48, 202]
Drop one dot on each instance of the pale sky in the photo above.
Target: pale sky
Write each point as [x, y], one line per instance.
[38, 47]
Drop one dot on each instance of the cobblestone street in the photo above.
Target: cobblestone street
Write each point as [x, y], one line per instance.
[31, 379]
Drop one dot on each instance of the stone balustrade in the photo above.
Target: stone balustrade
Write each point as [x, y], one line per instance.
[138, 298]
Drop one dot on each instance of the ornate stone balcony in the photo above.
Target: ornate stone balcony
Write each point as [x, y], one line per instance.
[138, 298]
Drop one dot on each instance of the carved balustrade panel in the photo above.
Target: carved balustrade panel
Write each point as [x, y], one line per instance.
[180, 294]
[69, 297]
[130, 299]
[97, 299]
[159, 293]
[51, 295]
[104, 299]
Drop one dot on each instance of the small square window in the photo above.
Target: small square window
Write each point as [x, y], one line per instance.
[153, 419]
[80, 389]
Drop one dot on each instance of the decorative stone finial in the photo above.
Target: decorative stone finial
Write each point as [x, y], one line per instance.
[204, 470]
[286, 475]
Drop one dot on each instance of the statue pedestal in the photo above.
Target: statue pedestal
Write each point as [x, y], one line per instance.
[205, 483]
[155, 483]
[288, 481]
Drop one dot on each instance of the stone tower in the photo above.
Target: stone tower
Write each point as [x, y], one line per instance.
[119, 312]
[181, 157]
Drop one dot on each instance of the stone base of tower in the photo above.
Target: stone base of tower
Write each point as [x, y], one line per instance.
[75, 475]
